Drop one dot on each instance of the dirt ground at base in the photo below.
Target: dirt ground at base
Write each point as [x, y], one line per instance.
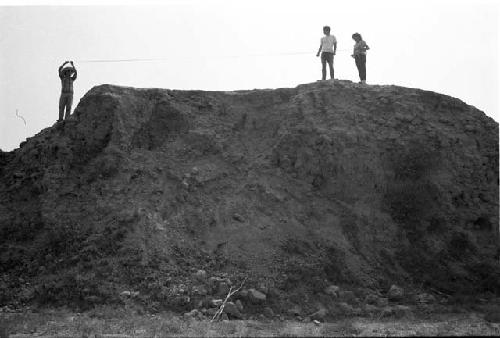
[60, 323]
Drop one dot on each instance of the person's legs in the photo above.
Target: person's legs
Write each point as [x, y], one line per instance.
[69, 103]
[323, 64]
[358, 65]
[330, 64]
[61, 107]
[362, 72]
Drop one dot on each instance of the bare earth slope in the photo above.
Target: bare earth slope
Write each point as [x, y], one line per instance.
[293, 189]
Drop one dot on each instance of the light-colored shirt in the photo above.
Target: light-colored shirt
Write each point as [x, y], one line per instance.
[360, 47]
[327, 43]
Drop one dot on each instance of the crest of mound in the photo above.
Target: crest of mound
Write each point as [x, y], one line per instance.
[360, 185]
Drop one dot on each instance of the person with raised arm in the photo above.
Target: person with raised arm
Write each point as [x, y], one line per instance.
[67, 76]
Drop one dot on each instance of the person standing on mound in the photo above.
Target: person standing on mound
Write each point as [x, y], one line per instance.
[327, 48]
[359, 55]
[67, 76]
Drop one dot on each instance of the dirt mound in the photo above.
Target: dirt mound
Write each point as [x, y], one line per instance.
[293, 189]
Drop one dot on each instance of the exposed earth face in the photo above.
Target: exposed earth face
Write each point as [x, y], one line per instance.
[292, 190]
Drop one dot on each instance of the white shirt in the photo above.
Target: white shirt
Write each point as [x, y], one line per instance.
[327, 43]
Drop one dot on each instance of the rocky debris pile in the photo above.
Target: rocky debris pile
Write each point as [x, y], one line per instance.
[173, 195]
[335, 302]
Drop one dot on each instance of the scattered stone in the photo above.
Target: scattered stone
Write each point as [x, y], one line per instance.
[294, 311]
[242, 293]
[425, 298]
[369, 308]
[395, 293]
[212, 311]
[347, 296]
[332, 290]
[263, 288]
[320, 314]
[232, 310]
[216, 302]
[199, 290]
[386, 311]
[215, 286]
[256, 296]
[238, 217]
[192, 314]
[206, 302]
[214, 281]
[92, 299]
[371, 299]
[179, 289]
[357, 311]
[345, 308]
[382, 301]
[364, 292]
[268, 312]
[273, 292]
[200, 275]
[223, 289]
[402, 311]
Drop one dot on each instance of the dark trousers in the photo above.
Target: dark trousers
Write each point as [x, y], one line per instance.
[361, 64]
[326, 57]
[65, 102]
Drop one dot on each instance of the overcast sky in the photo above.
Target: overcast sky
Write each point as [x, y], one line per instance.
[450, 47]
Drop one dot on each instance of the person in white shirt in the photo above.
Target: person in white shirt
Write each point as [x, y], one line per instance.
[327, 48]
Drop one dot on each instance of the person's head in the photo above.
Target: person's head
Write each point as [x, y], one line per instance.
[326, 30]
[356, 37]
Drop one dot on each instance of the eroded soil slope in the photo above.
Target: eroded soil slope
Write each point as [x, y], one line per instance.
[293, 189]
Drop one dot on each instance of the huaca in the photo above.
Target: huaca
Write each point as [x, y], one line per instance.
[312, 201]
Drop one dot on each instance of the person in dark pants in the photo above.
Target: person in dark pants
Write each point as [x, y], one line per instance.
[359, 55]
[67, 76]
[327, 48]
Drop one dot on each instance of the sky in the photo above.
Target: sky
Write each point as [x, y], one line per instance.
[451, 47]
